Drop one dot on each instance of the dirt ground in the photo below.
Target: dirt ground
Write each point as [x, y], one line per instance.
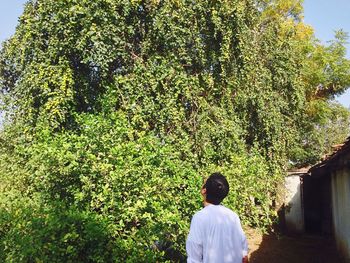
[274, 248]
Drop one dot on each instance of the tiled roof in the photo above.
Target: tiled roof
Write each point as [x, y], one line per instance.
[339, 150]
[296, 171]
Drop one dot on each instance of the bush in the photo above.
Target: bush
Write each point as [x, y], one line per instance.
[33, 233]
[102, 186]
[109, 193]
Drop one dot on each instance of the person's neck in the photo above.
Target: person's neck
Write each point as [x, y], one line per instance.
[205, 203]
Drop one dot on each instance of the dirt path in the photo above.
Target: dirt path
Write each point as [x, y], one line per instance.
[283, 249]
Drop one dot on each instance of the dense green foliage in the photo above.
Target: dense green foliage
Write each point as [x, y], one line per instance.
[325, 123]
[116, 110]
[98, 195]
[328, 124]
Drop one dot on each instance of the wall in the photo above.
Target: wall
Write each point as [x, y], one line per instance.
[294, 218]
[341, 205]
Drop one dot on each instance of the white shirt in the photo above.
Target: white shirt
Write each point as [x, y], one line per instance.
[216, 236]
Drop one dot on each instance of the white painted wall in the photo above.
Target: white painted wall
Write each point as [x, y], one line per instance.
[293, 211]
[341, 209]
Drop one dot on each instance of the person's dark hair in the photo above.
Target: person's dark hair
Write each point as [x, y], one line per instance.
[217, 188]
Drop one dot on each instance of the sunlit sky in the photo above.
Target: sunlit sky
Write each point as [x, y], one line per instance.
[324, 16]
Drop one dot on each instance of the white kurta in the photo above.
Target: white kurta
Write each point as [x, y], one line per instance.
[216, 236]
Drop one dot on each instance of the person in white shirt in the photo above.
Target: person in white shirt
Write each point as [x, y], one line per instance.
[216, 234]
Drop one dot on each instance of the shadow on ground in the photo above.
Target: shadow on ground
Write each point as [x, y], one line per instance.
[298, 249]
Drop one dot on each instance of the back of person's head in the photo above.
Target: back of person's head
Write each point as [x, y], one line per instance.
[217, 188]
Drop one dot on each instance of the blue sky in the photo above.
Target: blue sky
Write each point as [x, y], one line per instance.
[10, 10]
[324, 16]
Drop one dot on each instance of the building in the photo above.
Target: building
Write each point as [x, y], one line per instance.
[326, 197]
[317, 199]
[293, 210]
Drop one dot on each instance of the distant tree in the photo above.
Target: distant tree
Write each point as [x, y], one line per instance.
[326, 73]
[327, 126]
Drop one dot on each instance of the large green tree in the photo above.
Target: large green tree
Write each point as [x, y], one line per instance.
[325, 123]
[115, 110]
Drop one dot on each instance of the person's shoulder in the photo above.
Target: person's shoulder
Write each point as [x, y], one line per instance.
[205, 213]
[229, 212]
[199, 217]
[200, 213]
